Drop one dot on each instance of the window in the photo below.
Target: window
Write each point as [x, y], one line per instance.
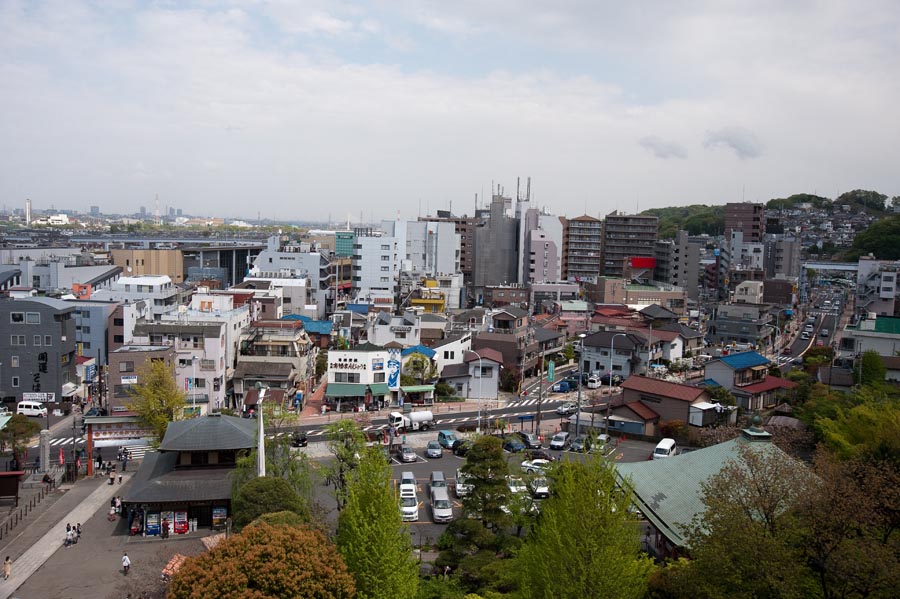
[48, 340]
[16, 317]
[86, 330]
[126, 366]
[385, 258]
[37, 340]
[379, 377]
[15, 381]
[385, 247]
[118, 339]
[17, 339]
[118, 322]
[14, 361]
[385, 269]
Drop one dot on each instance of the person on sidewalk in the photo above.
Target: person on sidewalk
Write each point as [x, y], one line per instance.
[112, 477]
[126, 563]
[7, 568]
[77, 532]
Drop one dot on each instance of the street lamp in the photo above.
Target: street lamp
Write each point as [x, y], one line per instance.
[260, 433]
[480, 376]
[612, 352]
[580, 369]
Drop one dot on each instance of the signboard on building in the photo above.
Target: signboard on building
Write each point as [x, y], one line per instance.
[39, 397]
[401, 329]
[129, 380]
[377, 364]
[89, 372]
[393, 369]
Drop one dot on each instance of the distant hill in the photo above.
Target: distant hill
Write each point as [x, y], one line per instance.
[696, 219]
[797, 199]
[861, 200]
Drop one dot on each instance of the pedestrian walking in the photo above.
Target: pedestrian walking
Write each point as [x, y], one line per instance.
[112, 477]
[126, 563]
[7, 568]
[77, 532]
[124, 462]
[70, 538]
[118, 504]
[165, 528]
[99, 459]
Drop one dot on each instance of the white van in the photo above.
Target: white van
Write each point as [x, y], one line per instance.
[441, 508]
[665, 449]
[31, 408]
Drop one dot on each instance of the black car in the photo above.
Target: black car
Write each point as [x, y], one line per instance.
[461, 447]
[299, 439]
[95, 411]
[539, 454]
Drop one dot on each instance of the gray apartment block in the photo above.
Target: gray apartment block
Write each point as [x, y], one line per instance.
[496, 251]
[37, 347]
[91, 327]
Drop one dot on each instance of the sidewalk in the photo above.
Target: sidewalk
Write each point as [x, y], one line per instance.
[43, 537]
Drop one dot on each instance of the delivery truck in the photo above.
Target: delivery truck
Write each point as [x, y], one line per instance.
[414, 421]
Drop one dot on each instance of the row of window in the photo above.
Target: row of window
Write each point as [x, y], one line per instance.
[353, 377]
[20, 340]
[25, 317]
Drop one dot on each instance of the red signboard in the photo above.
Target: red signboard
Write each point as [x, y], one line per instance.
[642, 262]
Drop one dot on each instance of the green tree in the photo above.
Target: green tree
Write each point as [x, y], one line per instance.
[156, 397]
[266, 562]
[371, 536]
[569, 352]
[584, 529]
[284, 518]
[487, 469]
[872, 369]
[16, 434]
[263, 495]
[346, 443]
[881, 238]
[321, 363]
[870, 429]
[744, 544]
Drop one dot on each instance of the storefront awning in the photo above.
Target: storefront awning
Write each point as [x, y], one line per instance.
[355, 389]
[69, 389]
[417, 388]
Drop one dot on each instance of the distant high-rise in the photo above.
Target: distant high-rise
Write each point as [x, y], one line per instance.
[95, 210]
[28, 212]
[143, 212]
[626, 236]
[746, 218]
[178, 212]
[171, 212]
[582, 239]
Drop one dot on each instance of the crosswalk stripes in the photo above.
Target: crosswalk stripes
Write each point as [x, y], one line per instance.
[136, 452]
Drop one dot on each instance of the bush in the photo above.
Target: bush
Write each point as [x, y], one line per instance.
[264, 495]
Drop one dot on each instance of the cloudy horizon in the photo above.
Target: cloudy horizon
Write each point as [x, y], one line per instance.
[317, 109]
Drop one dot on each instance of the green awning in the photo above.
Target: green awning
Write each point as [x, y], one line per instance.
[355, 389]
[417, 388]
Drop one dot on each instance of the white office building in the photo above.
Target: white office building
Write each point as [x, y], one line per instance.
[158, 291]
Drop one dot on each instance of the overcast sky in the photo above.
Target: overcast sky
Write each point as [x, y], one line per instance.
[305, 109]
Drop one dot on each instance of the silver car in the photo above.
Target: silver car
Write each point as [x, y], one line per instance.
[434, 450]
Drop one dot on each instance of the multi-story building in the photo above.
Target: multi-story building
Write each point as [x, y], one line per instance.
[626, 236]
[292, 260]
[496, 247]
[497, 296]
[140, 262]
[157, 291]
[747, 218]
[225, 263]
[427, 247]
[217, 307]
[609, 290]
[542, 258]
[275, 353]
[749, 292]
[748, 324]
[552, 292]
[125, 365]
[405, 330]
[464, 226]
[582, 248]
[357, 378]
[877, 286]
[511, 334]
[37, 349]
[782, 257]
[297, 294]
[376, 268]
[631, 352]
[200, 349]
[92, 319]
[678, 263]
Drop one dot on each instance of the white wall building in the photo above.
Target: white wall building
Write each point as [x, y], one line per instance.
[291, 261]
[376, 266]
[405, 330]
[207, 307]
[157, 290]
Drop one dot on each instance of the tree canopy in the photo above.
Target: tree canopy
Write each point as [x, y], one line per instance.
[263, 495]
[487, 469]
[881, 239]
[266, 562]
[17, 432]
[346, 443]
[156, 397]
[585, 542]
[696, 219]
[371, 536]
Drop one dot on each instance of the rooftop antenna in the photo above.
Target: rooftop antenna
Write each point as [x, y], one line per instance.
[158, 221]
[528, 191]
[420, 207]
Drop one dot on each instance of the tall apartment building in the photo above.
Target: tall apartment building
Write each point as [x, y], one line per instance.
[782, 257]
[496, 247]
[678, 263]
[541, 246]
[426, 247]
[465, 227]
[747, 218]
[626, 236]
[376, 267]
[282, 261]
[581, 248]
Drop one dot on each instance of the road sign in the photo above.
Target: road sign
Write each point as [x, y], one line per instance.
[551, 371]
[39, 397]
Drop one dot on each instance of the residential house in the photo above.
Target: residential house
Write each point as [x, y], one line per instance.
[746, 376]
[741, 323]
[451, 350]
[511, 334]
[125, 365]
[478, 377]
[358, 378]
[405, 330]
[630, 353]
[670, 402]
[276, 353]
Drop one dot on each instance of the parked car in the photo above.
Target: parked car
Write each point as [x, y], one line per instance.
[535, 466]
[461, 447]
[560, 441]
[665, 449]
[584, 443]
[441, 508]
[567, 409]
[560, 387]
[407, 454]
[616, 379]
[409, 503]
[540, 488]
[531, 440]
[594, 383]
[516, 484]
[434, 450]
[462, 487]
[446, 439]
[539, 454]
[513, 444]
[824, 333]
[299, 439]
[95, 411]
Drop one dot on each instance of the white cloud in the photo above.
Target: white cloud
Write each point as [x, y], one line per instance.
[744, 143]
[662, 148]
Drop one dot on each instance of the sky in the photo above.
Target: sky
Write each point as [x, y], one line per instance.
[306, 110]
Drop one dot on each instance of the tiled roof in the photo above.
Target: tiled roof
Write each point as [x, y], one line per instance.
[418, 349]
[656, 311]
[891, 362]
[486, 353]
[208, 433]
[768, 384]
[662, 388]
[454, 370]
[747, 359]
[157, 481]
[684, 331]
[642, 410]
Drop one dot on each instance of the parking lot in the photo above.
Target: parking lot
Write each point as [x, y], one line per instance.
[426, 531]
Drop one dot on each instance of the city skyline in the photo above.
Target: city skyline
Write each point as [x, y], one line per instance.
[235, 109]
